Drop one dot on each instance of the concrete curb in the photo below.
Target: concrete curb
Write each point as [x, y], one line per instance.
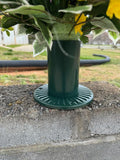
[59, 127]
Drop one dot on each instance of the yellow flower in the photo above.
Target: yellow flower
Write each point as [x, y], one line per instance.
[113, 9]
[1, 17]
[80, 24]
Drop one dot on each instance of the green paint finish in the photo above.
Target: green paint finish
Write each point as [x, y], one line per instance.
[83, 98]
[63, 90]
[63, 68]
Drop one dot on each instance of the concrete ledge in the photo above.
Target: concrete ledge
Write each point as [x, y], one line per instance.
[24, 122]
[59, 128]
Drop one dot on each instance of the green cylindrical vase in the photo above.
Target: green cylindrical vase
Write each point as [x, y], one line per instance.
[63, 68]
[63, 90]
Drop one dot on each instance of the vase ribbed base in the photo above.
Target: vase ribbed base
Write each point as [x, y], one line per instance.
[83, 98]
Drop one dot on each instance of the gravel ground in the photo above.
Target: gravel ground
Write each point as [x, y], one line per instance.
[19, 101]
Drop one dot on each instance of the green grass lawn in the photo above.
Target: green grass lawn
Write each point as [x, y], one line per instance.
[14, 45]
[106, 72]
[9, 54]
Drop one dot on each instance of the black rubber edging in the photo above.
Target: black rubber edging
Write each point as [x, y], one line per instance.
[43, 63]
[95, 62]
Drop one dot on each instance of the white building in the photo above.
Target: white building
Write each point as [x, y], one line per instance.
[14, 38]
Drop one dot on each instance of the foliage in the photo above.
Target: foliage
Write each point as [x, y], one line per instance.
[60, 19]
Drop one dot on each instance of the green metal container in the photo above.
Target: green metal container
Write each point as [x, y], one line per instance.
[63, 68]
[63, 90]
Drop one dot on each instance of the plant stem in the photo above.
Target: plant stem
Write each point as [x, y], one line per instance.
[74, 24]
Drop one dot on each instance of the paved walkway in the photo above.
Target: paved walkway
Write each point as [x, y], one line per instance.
[24, 48]
[29, 47]
[106, 148]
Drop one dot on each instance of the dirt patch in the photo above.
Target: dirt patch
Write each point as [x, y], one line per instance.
[36, 72]
[19, 101]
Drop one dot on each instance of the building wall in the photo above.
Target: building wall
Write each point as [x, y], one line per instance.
[102, 39]
[14, 38]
